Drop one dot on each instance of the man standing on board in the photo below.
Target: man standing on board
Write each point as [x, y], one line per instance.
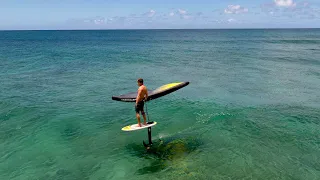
[141, 97]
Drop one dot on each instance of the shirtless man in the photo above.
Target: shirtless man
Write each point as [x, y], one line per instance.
[141, 97]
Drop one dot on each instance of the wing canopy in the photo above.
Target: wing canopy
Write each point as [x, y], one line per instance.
[153, 94]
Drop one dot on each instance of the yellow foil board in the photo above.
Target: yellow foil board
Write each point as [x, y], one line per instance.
[135, 127]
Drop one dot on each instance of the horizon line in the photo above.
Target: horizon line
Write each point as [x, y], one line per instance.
[158, 29]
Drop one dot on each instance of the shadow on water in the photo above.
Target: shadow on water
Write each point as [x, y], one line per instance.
[165, 154]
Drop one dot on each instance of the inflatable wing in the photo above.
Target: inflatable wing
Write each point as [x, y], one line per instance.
[152, 94]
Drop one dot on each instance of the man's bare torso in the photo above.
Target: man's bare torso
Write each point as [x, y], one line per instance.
[143, 91]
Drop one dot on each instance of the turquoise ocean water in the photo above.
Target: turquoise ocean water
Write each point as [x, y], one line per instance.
[251, 110]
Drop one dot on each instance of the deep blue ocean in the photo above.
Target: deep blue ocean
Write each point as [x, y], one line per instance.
[251, 110]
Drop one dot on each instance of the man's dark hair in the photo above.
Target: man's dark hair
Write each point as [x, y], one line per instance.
[140, 80]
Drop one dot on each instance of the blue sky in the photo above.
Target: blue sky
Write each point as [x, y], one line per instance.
[141, 14]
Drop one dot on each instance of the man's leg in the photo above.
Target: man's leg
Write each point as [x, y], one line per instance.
[138, 118]
[144, 118]
[138, 115]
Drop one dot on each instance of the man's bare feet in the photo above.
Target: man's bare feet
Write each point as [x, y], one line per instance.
[139, 125]
[145, 123]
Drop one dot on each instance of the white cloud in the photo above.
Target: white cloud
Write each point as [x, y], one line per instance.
[285, 3]
[291, 9]
[182, 12]
[150, 13]
[187, 17]
[95, 20]
[235, 9]
[231, 20]
[199, 13]
[171, 14]
[99, 21]
[91, 21]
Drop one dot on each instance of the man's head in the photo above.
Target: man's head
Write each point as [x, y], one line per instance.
[140, 81]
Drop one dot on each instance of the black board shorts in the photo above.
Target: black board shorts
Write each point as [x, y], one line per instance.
[139, 106]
